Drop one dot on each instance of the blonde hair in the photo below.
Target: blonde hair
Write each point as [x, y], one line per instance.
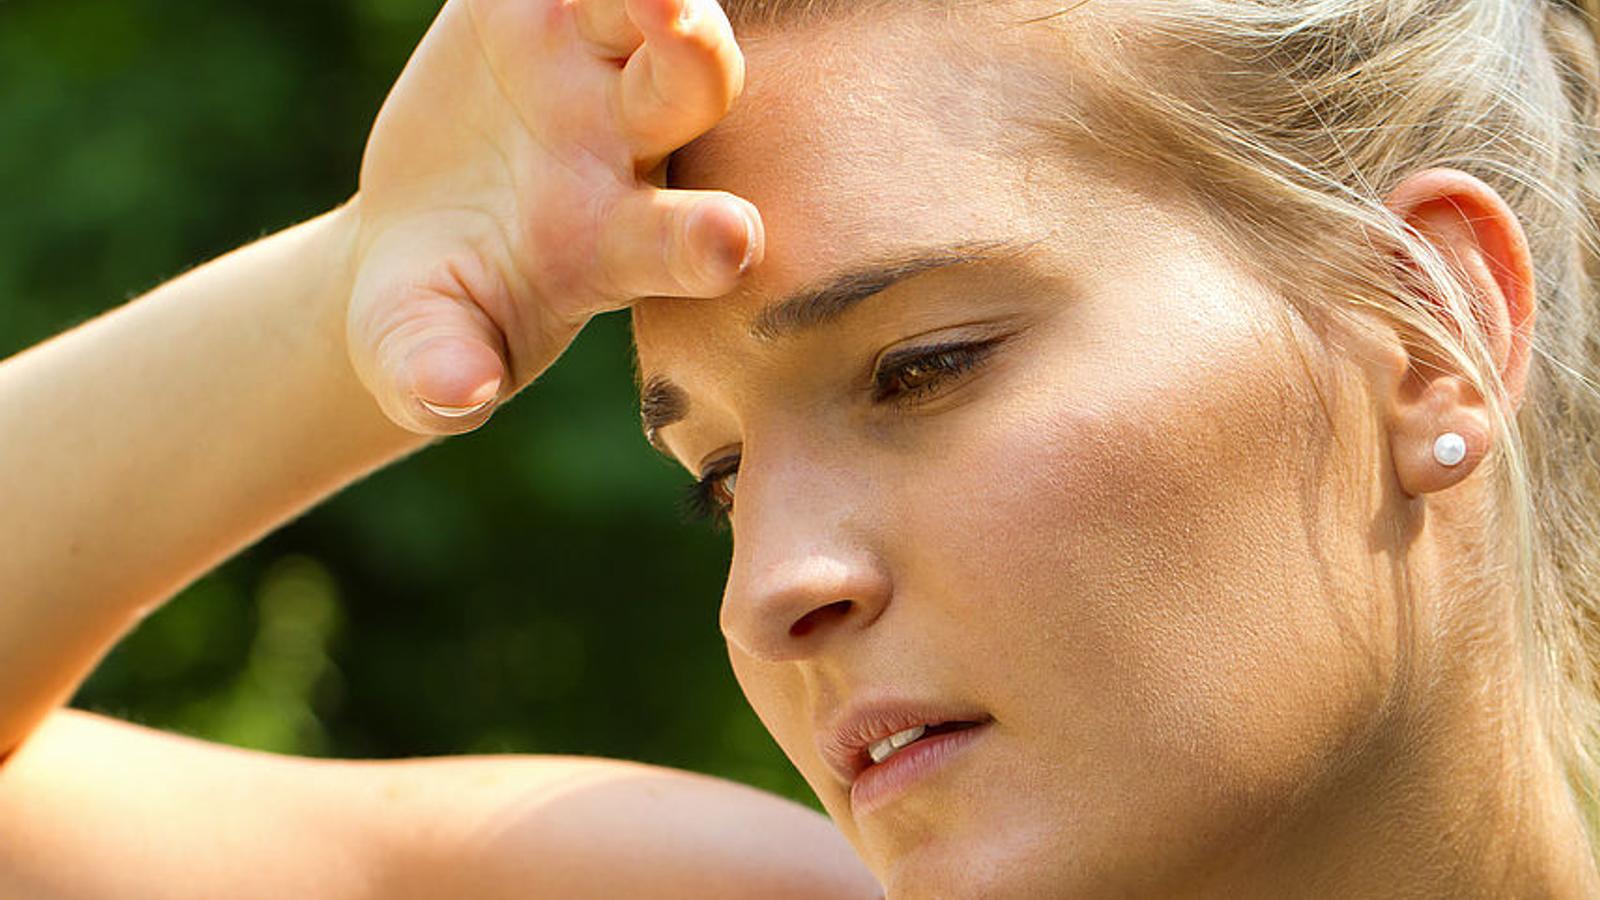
[1292, 119]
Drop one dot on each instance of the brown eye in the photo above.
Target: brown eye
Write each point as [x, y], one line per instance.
[724, 487]
[710, 497]
[912, 374]
[917, 375]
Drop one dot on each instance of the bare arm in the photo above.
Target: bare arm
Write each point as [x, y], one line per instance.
[93, 808]
[144, 447]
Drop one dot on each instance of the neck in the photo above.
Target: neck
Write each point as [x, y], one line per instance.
[1458, 794]
[1431, 817]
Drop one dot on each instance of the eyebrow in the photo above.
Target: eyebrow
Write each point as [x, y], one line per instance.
[662, 403]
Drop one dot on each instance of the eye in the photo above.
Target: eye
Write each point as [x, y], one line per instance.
[902, 377]
[906, 376]
[711, 497]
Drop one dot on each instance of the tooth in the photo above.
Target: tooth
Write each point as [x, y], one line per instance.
[907, 736]
[882, 750]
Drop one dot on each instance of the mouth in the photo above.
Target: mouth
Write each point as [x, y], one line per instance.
[881, 751]
[923, 751]
[877, 735]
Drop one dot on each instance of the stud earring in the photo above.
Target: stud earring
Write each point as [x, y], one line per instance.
[1449, 448]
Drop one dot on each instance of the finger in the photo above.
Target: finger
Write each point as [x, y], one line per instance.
[682, 81]
[678, 244]
[605, 25]
[434, 362]
[454, 375]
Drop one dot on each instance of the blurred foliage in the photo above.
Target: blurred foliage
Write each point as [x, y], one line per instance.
[527, 588]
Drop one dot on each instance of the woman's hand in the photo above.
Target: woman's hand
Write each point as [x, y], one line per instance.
[510, 191]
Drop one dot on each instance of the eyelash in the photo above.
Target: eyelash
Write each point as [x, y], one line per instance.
[705, 499]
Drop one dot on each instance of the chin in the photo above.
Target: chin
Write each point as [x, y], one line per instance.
[956, 878]
[1010, 862]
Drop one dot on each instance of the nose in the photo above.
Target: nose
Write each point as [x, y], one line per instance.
[804, 575]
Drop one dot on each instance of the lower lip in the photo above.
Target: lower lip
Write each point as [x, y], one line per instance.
[879, 784]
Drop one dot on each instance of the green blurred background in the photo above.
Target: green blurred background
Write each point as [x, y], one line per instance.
[529, 588]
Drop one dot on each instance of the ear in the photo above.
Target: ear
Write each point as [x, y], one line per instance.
[1473, 228]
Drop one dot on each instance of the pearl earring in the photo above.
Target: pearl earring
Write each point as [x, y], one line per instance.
[1449, 448]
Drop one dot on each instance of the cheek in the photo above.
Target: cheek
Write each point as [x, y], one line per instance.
[1148, 564]
[784, 702]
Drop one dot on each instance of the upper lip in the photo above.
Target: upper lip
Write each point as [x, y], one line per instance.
[843, 742]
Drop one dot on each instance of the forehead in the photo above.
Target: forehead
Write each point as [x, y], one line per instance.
[859, 141]
[832, 117]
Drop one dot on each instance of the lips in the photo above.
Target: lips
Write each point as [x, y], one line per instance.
[844, 743]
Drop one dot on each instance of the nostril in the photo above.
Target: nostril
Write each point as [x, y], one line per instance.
[808, 622]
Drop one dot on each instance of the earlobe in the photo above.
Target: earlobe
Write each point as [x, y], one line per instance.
[1438, 435]
[1470, 225]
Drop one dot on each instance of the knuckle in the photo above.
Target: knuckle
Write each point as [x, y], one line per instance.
[678, 249]
[666, 97]
[604, 270]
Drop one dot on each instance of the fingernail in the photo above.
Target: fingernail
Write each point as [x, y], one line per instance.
[454, 412]
[489, 390]
[750, 246]
[686, 13]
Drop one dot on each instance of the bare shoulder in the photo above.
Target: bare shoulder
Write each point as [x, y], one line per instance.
[91, 806]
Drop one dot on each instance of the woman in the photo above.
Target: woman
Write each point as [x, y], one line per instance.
[1143, 478]
[1119, 416]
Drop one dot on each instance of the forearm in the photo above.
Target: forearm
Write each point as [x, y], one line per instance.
[92, 807]
[509, 828]
[143, 447]
[95, 808]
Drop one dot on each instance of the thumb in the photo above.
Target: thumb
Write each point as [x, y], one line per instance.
[433, 359]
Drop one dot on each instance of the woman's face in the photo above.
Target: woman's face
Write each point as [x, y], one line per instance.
[1067, 479]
